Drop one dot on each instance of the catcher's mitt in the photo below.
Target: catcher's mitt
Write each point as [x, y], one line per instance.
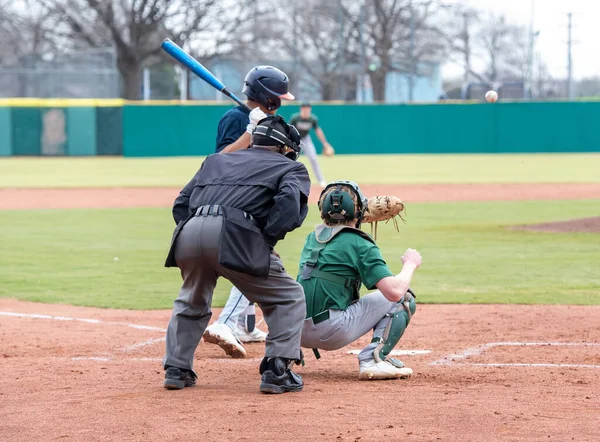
[328, 150]
[383, 208]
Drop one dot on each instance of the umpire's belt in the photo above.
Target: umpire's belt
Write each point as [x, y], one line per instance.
[215, 209]
[320, 317]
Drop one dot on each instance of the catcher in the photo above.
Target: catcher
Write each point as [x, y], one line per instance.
[336, 260]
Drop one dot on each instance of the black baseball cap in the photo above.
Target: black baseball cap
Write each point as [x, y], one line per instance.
[305, 104]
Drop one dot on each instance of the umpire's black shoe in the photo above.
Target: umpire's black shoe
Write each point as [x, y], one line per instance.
[277, 377]
[177, 378]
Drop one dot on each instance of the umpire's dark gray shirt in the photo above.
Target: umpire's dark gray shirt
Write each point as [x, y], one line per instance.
[265, 184]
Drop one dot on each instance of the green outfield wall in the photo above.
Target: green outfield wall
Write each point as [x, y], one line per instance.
[34, 127]
[116, 127]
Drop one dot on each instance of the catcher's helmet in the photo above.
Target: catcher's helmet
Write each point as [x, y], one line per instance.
[274, 131]
[338, 206]
[267, 86]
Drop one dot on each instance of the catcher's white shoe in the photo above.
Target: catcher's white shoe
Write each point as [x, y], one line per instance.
[255, 335]
[223, 336]
[371, 370]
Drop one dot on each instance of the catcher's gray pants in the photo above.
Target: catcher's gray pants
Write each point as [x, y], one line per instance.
[344, 327]
[309, 149]
[280, 297]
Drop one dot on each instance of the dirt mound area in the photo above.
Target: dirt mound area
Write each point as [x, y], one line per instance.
[583, 225]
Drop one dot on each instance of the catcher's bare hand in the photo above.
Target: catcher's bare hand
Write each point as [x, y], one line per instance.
[411, 256]
[328, 150]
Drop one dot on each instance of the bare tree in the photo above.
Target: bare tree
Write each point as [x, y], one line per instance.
[397, 35]
[23, 31]
[505, 49]
[489, 48]
[136, 28]
[315, 36]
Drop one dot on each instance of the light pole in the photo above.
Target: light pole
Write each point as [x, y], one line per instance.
[570, 61]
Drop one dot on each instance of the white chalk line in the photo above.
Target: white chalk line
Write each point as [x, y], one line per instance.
[476, 351]
[125, 349]
[398, 352]
[108, 359]
[143, 344]
[533, 365]
[447, 360]
[86, 320]
[210, 361]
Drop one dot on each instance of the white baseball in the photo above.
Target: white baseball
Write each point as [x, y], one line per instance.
[116, 258]
[491, 96]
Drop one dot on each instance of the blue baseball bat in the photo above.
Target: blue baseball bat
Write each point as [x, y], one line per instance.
[196, 67]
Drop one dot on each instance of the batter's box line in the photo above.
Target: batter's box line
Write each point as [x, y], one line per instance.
[476, 351]
[85, 320]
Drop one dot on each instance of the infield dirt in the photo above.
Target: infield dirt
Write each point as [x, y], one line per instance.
[100, 379]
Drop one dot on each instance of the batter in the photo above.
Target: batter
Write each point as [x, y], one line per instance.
[265, 87]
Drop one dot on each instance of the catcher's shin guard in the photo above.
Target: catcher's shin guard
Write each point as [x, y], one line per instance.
[395, 328]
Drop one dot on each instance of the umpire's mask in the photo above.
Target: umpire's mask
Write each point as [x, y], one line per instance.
[274, 131]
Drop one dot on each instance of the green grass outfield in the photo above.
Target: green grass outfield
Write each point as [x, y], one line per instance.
[373, 169]
[67, 256]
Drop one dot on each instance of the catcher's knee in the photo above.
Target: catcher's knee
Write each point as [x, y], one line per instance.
[395, 328]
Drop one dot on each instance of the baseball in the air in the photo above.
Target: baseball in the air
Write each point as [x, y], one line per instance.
[491, 96]
[116, 258]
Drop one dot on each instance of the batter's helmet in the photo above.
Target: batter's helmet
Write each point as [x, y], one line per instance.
[266, 85]
[338, 205]
[274, 131]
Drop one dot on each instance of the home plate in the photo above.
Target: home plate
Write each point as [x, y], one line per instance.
[398, 352]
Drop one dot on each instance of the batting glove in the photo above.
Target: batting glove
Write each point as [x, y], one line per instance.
[256, 115]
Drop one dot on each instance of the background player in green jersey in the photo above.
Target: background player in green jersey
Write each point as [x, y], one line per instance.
[304, 121]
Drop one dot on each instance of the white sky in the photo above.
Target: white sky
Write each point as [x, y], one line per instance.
[550, 18]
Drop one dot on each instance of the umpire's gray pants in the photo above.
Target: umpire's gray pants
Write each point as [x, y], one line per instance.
[344, 327]
[279, 296]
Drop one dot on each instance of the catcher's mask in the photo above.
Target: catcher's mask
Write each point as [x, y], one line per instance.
[274, 131]
[338, 206]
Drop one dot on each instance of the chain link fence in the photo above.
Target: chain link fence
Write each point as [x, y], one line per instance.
[78, 74]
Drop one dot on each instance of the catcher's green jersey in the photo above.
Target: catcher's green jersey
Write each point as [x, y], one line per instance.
[347, 255]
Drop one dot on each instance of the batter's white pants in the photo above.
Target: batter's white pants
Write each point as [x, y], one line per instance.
[236, 309]
[311, 152]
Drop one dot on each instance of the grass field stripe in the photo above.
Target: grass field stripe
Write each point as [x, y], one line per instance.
[143, 344]
[86, 320]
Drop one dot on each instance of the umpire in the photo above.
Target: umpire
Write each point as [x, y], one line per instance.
[229, 217]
